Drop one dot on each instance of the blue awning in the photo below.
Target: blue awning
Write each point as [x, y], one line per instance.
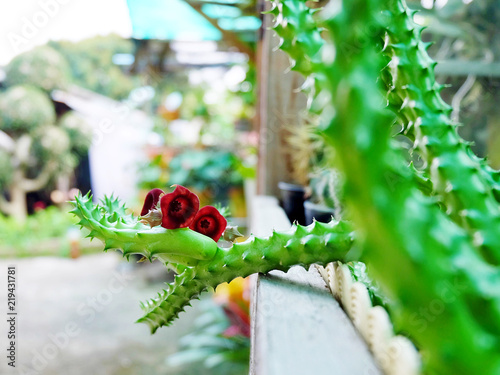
[169, 20]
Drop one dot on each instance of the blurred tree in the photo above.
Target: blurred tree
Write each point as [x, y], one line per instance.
[43, 67]
[35, 145]
[92, 67]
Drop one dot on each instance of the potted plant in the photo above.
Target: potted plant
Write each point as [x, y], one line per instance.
[304, 148]
[322, 203]
[315, 196]
[292, 201]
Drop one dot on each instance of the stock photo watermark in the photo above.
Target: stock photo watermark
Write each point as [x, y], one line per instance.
[11, 316]
[449, 293]
[30, 26]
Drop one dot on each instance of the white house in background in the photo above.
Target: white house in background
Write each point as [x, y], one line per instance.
[120, 134]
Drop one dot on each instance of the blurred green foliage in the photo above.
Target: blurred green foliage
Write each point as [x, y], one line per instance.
[6, 168]
[210, 170]
[24, 108]
[208, 348]
[44, 232]
[193, 104]
[27, 112]
[324, 189]
[92, 67]
[219, 156]
[42, 67]
[79, 133]
[51, 143]
[203, 168]
[37, 145]
[461, 29]
[153, 174]
[247, 89]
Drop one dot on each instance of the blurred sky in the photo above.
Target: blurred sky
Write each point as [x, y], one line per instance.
[27, 23]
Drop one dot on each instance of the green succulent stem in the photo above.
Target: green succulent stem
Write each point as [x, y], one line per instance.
[179, 246]
[200, 264]
[300, 38]
[316, 244]
[407, 238]
[458, 175]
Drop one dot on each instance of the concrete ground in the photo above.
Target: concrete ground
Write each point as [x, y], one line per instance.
[77, 317]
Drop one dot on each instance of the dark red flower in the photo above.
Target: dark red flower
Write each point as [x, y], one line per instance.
[179, 208]
[151, 200]
[210, 222]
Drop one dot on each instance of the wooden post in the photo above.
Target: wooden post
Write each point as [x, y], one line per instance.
[279, 109]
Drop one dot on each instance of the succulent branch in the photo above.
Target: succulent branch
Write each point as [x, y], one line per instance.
[180, 245]
[200, 262]
[316, 244]
[300, 38]
[459, 177]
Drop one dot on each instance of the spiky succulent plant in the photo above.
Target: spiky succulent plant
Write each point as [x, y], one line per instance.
[430, 238]
[200, 263]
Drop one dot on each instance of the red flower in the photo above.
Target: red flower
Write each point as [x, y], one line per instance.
[210, 222]
[179, 208]
[151, 200]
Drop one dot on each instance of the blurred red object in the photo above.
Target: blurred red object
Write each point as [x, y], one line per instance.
[38, 206]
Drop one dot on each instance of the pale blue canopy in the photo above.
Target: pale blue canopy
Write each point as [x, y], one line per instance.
[169, 20]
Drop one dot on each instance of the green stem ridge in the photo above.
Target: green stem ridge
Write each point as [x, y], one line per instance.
[300, 38]
[464, 181]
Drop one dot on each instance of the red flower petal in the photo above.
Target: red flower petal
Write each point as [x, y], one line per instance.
[179, 208]
[151, 200]
[210, 222]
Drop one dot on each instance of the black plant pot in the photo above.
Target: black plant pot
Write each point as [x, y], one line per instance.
[292, 200]
[317, 211]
